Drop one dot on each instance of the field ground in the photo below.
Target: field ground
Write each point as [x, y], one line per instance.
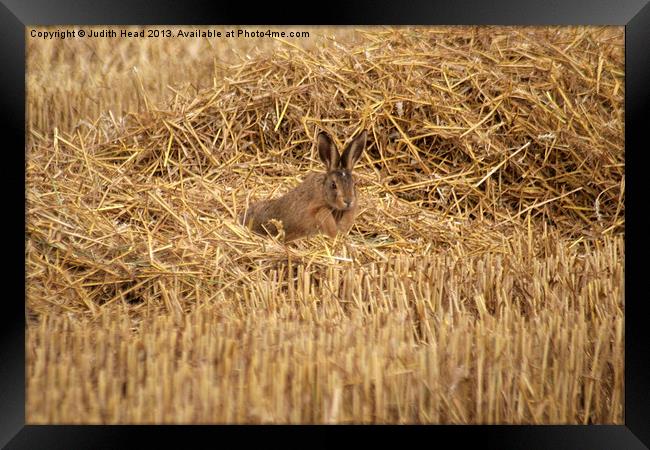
[483, 281]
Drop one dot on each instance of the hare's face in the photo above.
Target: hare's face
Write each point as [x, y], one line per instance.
[339, 183]
[340, 192]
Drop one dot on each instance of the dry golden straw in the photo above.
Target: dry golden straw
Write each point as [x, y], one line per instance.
[482, 281]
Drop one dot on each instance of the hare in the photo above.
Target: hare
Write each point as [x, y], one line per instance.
[323, 202]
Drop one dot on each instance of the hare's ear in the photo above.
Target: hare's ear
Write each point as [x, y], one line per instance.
[327, 151]
[353, 151]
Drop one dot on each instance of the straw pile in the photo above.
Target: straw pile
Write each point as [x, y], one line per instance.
[490, 238]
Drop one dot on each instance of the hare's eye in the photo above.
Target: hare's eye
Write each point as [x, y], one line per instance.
[334, 185]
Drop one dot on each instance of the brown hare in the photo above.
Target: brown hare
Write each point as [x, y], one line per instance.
[323, 202]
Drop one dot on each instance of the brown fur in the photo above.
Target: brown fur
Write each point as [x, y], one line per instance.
[315, 205]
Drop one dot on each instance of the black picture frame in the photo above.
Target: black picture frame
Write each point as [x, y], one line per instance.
[17, 15]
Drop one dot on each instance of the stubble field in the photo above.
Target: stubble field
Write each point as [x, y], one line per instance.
[482, 282]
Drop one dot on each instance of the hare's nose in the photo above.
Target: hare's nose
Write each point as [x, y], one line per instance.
[348, 203]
